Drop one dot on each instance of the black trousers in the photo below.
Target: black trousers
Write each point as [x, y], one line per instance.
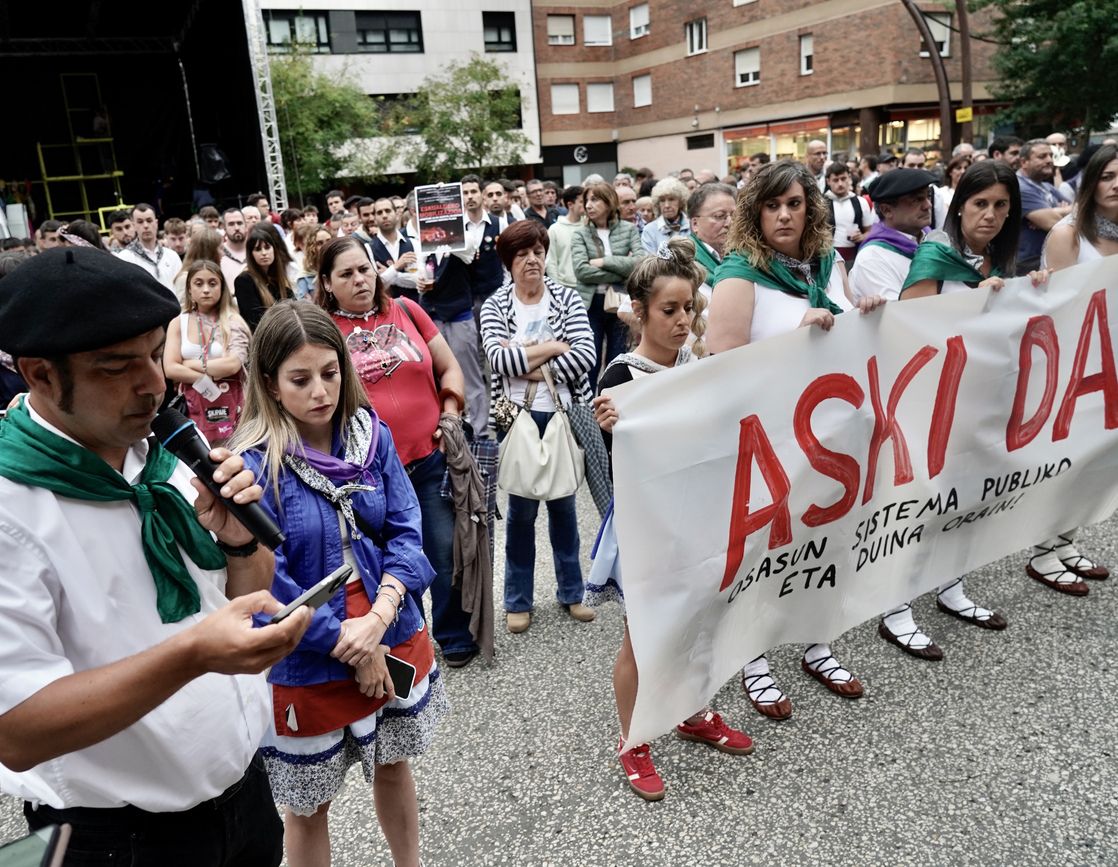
[239, 827]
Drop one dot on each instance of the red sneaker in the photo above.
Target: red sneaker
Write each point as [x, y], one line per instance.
[641, 773]
[714, 731]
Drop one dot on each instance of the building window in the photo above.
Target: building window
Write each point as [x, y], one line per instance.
[807, 54]
[599, 97]
[940, 25]
[395, 32]
[747, 67]
[642, 90]
[696, 34]
[560, 30]
[500, 31]
[564, 99]
[638, 21]
[308, 31]
[700, 142]
[597, 30]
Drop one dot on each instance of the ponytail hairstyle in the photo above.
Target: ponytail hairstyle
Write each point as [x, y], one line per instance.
[675, 259]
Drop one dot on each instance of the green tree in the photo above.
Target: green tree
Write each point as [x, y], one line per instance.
[317, 115]
[1056, 60]
[467, 118]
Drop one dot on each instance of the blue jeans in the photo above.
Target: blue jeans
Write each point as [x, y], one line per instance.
[451, 625]
[520, 546]
[606, 327]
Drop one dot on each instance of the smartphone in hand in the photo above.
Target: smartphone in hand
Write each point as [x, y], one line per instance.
[318, 594]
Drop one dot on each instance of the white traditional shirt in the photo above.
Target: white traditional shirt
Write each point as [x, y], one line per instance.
[878, 271]
[162, 263]
[76, 593]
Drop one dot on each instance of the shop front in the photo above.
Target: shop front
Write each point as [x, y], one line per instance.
[567, 165]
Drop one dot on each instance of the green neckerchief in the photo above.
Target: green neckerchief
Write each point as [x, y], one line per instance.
[705, 258]
[32, 455]
[938, 261]
[780, 277]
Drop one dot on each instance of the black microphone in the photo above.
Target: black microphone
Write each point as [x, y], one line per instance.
[179, 435]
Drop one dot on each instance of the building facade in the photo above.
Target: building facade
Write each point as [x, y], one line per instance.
[388, 48]
[669, 84]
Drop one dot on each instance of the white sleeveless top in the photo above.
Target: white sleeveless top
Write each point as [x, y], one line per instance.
[776, 312]
[189, 348]
[1088, 252]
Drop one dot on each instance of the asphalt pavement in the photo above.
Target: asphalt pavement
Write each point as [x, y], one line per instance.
[1004, 753]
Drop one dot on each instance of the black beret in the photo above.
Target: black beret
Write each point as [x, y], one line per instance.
[900, 182]
[887, 157]
[75, 299]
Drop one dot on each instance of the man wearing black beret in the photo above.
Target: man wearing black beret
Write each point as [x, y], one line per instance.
[902, 200]
[130, 701]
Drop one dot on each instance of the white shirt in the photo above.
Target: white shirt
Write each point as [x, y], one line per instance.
[390, 275]
[165, 266]
[844, 219]
[76, 593]
[475, 232]
[230, 267]
[878, 271]
[776, 312]
[530, 319]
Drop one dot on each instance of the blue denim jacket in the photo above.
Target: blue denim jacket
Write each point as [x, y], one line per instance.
[313, 549]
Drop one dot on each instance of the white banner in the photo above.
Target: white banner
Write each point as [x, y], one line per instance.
[787, 491]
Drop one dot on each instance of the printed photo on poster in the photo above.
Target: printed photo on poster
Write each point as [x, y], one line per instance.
[440, 217]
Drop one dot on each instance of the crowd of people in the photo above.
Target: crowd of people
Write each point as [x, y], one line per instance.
[349, 383]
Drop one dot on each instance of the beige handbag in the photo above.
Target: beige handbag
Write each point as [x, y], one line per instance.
[612, 301]
[541, 468]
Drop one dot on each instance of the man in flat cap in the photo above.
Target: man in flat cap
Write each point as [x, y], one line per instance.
[130, 701]
[902, 200]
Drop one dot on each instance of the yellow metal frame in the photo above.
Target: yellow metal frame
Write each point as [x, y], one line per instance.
[75, 145]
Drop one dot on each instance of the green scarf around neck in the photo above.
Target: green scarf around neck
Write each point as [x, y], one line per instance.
[937, 261]
[32, 455]
[705, 258]
[780, 277]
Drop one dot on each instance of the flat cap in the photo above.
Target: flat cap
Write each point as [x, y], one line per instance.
[74, 299]
[900, 182]
[886, 157]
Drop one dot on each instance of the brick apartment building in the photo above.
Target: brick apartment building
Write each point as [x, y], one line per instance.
[705, 83]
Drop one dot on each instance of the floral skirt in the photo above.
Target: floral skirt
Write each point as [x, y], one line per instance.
[603, 584]
[306, 772]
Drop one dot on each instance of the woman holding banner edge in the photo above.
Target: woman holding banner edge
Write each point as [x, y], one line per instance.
[668, 303]
[1089, 232]
[976, 250]
[780, 273]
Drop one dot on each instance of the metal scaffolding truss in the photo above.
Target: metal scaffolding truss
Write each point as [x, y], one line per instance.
[265, 104]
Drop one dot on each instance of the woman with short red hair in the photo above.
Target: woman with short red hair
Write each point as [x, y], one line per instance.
[527, 325]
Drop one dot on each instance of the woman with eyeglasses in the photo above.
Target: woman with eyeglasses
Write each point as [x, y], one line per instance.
[781, 272]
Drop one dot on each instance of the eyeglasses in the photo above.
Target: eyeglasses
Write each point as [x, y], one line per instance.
[719, 216]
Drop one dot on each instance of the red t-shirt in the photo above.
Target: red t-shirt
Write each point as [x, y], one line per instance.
[394, 362]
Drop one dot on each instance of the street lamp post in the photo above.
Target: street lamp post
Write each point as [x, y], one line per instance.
[940, 74]
[966, 129]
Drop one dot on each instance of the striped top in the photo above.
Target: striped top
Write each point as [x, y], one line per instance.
[567, 317]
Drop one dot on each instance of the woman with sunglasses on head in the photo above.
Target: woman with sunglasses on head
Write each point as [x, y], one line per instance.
[781, 272]
[412, 379]
[333, 481]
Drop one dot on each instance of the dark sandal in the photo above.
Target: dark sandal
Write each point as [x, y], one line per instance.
[775, 710]
[846, 689]
[1071, 588]
[932, 653]
[994, 622]
[1077, 565]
